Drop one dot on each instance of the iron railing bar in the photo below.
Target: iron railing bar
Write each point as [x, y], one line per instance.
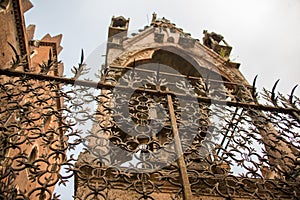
[187, 192]
[184, 76]
[233, 130]
[102, 85]
[229, 127]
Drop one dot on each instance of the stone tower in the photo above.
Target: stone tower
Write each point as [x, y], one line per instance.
[20, 147]
[164, 121]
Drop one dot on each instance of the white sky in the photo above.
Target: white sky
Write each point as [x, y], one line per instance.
[265, 34]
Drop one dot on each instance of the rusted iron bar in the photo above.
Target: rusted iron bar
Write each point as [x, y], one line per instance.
[102, 85]
[187, 193]
[229, 127]
[181, 75]
[234, 127]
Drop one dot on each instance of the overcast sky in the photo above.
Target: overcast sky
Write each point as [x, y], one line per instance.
[265, 34]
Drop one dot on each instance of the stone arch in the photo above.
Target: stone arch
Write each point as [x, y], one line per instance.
[176, 58]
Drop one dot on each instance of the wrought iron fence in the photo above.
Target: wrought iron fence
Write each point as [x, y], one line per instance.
[145, 135]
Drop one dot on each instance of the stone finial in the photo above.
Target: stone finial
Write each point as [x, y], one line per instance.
[154, 15]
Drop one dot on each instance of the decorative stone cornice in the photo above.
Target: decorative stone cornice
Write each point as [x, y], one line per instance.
[21, 30]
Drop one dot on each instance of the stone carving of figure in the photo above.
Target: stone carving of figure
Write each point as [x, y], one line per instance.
[211, 39]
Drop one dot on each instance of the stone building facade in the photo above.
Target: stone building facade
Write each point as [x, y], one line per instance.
[152, 137]
[174, 119]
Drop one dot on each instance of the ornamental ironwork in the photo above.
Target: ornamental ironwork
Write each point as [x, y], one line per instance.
[155, 134]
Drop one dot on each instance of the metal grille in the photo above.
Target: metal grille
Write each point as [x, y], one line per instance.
[151, 136]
